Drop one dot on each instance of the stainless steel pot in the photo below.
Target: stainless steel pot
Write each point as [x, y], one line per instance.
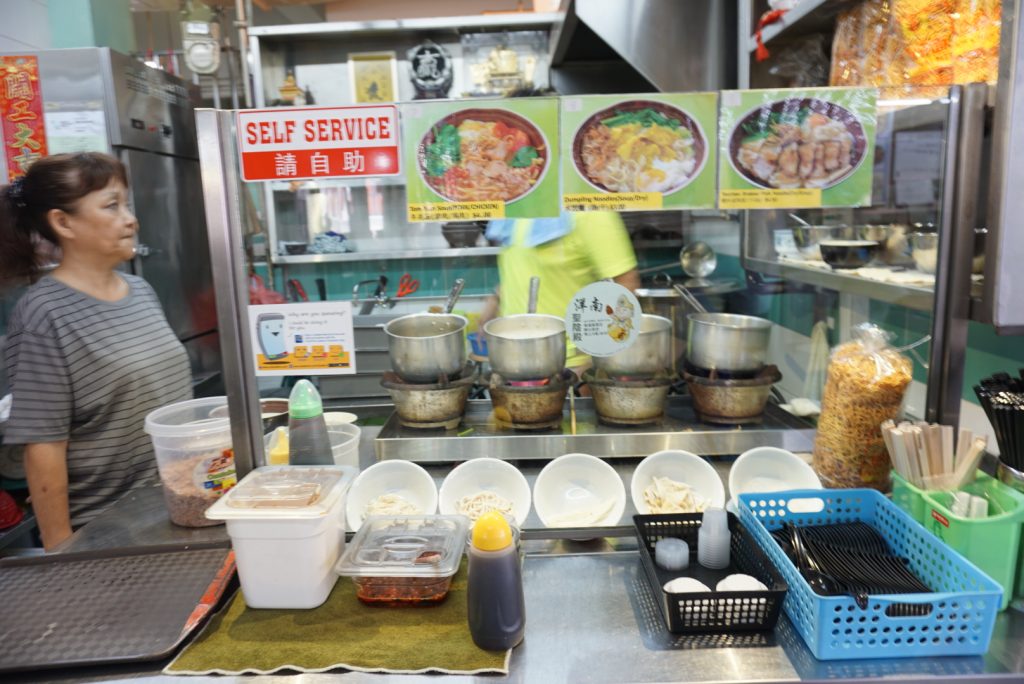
[650, 354]
[424, 346]
[526, 346]
[666, 303]
[727, 342]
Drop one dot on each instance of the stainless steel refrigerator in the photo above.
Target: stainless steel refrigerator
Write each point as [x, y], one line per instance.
[96, 99]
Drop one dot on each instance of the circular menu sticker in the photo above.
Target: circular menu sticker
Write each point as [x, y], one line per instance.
[603, 318]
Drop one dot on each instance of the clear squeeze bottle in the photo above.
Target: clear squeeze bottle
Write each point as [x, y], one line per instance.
[497, 612]
[308, 443]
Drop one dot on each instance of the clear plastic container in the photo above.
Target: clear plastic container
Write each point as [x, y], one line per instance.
[194, 457]
[405, 559]
[287, 527]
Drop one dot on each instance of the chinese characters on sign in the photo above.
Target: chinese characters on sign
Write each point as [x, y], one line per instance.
[603, 318]
[318, 142]
[21, 109]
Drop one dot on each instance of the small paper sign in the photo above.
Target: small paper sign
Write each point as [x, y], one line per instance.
[303, 339]
[603, 318]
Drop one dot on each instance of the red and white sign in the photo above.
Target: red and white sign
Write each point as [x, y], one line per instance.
[305, 143]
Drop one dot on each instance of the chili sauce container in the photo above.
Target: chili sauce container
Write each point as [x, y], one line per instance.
[398, 560]
[287, 527]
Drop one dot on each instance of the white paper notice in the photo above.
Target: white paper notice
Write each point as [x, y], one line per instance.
[81, 131]
[303, 339]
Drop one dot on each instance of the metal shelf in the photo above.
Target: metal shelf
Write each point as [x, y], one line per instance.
[809, 16]
[390, 254]
[510, 20]
[912, 297]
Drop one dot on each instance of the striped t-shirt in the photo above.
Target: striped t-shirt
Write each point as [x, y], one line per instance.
[88, 371]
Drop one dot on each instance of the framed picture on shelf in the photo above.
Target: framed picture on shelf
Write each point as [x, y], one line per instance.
[374, 76]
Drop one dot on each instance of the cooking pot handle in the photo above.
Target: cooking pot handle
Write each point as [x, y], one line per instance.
[662, 278]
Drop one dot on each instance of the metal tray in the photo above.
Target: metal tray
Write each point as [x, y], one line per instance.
[479, 434]
[119, 605]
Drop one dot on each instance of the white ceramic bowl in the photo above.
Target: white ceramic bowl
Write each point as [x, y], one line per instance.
[681, 466]
[486, 475]
[333, 418]
[406, 479]
[768, 469]
[572, 487]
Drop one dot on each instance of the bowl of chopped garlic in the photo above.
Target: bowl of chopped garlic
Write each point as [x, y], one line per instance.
[485, 484]
[675, 481]
[579, 490]
[390, 488]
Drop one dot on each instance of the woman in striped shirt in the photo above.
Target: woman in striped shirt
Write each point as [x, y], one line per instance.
[89, 351]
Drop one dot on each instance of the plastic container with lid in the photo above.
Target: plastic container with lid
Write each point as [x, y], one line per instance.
[405, 559]
[287, 527]
[192, 443]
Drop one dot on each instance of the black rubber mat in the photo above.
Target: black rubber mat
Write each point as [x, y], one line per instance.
[104, 607]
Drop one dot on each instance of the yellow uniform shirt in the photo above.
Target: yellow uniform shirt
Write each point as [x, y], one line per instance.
[596, 248]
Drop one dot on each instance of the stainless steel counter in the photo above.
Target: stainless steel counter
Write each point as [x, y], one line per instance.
[591, 617]
[478, 433]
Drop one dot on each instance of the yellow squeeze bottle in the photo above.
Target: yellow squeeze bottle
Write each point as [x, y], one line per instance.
[278, 448]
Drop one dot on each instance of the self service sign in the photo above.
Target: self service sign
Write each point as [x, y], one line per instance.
[318, 142]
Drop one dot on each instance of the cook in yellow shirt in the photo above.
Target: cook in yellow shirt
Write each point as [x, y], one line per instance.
[591, 246]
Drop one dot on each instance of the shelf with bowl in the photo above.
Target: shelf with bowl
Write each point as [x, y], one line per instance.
[435, 253]
[479, 434]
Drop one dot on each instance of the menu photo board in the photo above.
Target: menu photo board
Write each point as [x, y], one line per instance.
[639, 152]
[796, 149]
[481, 159]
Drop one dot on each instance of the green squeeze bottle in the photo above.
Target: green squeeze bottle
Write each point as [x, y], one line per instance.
[308, 443]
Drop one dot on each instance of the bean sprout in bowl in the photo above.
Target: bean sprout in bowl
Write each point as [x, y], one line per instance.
[639, 146]
[797, 143]
[483, 484]
[579, 490]
[477, 155]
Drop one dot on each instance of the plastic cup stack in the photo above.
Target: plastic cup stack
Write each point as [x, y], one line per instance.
[713, 539]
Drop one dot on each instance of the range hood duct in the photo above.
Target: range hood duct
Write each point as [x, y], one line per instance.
[645, 45]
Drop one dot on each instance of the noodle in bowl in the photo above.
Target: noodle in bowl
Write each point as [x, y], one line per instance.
[492, 163]
[639, 146]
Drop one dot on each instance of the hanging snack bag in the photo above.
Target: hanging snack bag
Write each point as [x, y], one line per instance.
[865, 384]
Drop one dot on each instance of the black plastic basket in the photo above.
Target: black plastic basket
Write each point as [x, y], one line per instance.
[717, 611]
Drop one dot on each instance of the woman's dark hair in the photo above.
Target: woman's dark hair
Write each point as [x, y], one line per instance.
[55, 182]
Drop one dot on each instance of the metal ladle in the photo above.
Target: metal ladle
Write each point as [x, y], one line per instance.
[453, 295]
[689, 298]
[531, 304]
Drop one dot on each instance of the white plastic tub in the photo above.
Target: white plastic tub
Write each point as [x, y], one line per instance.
[287, 527]
[344, 443]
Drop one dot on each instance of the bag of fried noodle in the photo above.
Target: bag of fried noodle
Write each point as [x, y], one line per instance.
[864, 387]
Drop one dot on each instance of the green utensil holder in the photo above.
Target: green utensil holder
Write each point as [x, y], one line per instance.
[991, 543]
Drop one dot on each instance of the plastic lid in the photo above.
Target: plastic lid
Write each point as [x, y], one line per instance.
[304, 401]
[191, 418]
[284, 492]
[491, 532]
[406, 546]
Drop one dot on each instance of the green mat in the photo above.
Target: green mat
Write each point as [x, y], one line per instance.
[342, 633]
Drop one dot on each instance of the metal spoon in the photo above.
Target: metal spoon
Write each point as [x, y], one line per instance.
[531, 306]
[453, 296]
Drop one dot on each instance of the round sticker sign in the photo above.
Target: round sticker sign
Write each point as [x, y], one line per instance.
[603, 318]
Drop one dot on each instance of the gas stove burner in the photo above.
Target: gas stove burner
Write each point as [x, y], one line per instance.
[468, 372]
[430, 406]
[628, 402]
[732, 402]
[718, 374]
[531, 406]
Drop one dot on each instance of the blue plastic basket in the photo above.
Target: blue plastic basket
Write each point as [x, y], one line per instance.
[959, 616]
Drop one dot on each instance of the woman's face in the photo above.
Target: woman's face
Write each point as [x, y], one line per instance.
[102, 225]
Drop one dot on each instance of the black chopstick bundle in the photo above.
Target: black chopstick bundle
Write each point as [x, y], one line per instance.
[1002, 397]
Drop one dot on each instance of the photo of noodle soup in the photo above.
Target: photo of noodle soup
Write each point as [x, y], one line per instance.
[639, 146]
[483, 155]
[797, 143]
